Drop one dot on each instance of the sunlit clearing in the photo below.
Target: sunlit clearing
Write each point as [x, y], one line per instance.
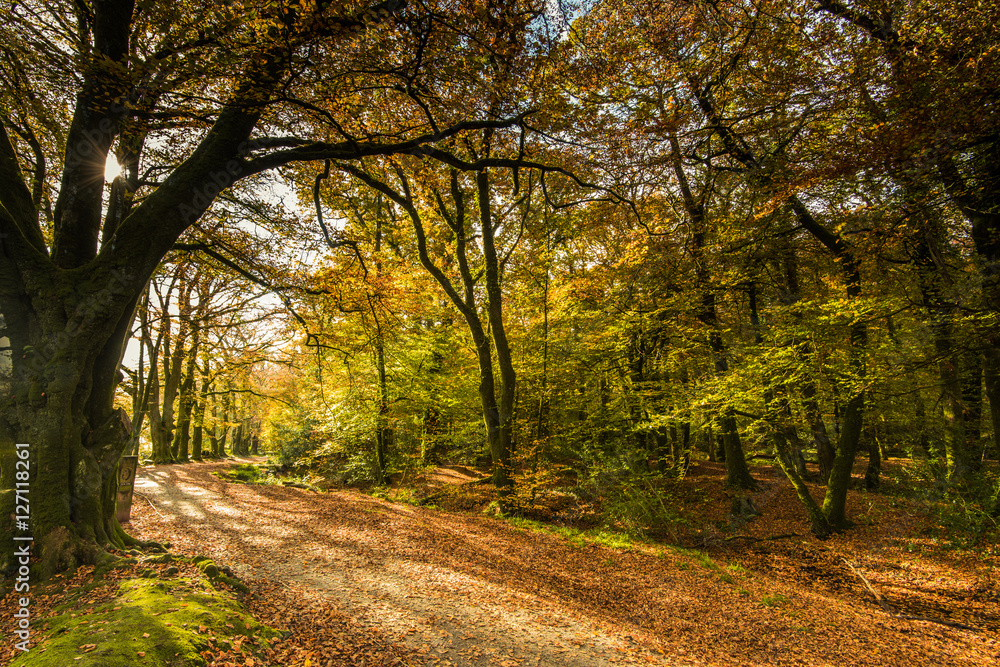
[112, 169]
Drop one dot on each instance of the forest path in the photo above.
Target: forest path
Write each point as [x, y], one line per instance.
[462, 589]
[385, 565]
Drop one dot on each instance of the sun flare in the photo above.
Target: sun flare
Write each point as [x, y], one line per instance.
[112, 169]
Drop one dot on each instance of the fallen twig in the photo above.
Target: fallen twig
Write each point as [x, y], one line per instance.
[769, 538]
[887, 608]
[712, 541]
[143, 496]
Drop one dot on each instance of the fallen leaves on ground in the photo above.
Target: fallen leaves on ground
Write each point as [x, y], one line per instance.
[360, 580]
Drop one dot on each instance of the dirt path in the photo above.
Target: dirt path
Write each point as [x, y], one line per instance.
[471, 590]
[360, 552]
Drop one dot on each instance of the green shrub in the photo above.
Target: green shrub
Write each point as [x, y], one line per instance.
[635, 504]
[295, 442]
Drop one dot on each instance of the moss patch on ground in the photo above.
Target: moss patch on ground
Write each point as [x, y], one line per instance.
[244, 473]
[178, 621]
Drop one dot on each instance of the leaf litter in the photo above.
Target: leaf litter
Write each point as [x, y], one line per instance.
[363, 581]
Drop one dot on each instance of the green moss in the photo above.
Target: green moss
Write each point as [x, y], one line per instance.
[575, 537]
[213, 572]
[208, 567]
[244, 472]
[151, 622]
[775, 600]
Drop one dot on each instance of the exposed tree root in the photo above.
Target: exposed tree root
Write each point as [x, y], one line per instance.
[715, 541]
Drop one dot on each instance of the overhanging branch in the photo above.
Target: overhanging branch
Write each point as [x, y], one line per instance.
[353, 150]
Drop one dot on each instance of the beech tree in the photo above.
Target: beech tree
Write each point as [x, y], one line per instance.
[189, 101]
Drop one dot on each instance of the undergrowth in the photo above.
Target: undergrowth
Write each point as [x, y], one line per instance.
[637, 505]
[965, 515]
[577, 537]
[248, 473]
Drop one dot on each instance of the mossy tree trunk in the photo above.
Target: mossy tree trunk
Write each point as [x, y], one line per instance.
[61, 406]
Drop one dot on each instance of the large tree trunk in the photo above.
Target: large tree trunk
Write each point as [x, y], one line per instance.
[61, 407]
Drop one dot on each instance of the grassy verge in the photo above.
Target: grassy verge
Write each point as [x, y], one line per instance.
[157, 613]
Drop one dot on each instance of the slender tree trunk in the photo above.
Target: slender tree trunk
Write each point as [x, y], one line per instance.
[810, 402]
[786, 441]
[935, 283]
[225, 426]
[737, 472]
[214, 438]
[494, 308]
[874, 470]
[383, 430]
[496, 415]
[197, 435]
[157, 428]
[182, 434]
[140, 401]
[838, 483]
[972, 406]
[541, 417]
[991, 377]
[182, 438]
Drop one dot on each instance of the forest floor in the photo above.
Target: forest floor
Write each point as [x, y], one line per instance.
[363, 580]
